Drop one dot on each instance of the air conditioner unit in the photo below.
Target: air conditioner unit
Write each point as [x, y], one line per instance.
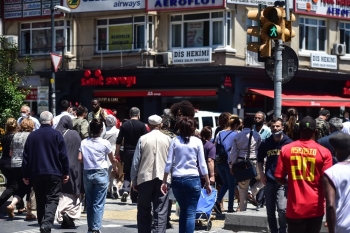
[163, 59]
[10, 41]
[339, 49]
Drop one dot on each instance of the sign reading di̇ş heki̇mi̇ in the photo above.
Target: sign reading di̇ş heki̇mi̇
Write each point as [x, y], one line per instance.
[159, 5]
[324, 61]
[327, 8]
[103, 5]
[190, 56]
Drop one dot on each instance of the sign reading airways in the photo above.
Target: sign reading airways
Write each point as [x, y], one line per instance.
[103, 5]
[190, 56]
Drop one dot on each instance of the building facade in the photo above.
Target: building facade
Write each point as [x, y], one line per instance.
[153, 53]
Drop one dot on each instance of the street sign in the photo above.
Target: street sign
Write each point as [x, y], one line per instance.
[290, 64]
[56, 60]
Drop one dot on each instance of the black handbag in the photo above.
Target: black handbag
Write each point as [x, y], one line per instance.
[245, 170]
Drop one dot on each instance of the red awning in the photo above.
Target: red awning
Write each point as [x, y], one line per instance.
[145, 93]
[301, 100]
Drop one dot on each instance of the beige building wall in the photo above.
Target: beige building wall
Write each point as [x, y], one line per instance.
[84, 38]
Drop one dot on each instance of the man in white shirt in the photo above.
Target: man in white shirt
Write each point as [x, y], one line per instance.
[25, 113]
[65, 105]
[147, 171]
[336, 185]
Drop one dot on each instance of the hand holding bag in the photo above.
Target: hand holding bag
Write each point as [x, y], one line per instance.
[245, 170]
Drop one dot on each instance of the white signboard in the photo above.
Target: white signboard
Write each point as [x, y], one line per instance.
[323, 61]
[192, 55]
[98, 5]
[257, 2]
[43, 99]
[326, 8]
[160, 5]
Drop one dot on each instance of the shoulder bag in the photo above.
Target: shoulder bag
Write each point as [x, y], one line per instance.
[245, 170]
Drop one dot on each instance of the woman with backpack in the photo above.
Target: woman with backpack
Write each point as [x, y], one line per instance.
[223, 143]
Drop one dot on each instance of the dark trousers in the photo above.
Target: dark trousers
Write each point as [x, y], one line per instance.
[150, 193]
[127, 162]
[305, 225]
[47, 190]
[23, 189]
[11, 186]
[276, 197]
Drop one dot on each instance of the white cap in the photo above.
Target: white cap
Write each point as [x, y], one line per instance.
[154, 120]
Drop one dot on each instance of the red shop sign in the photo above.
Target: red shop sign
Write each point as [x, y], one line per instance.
[98, 80]
[33, 94]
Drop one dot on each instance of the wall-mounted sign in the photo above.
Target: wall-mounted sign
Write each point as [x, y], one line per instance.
[346, 89]
[33, 94]
[120, 37]
[161, 5]
[103, 5]
[256, 3]
[323, 61]
[27, 8]
[190, 56]
[97, 79]
[327, 8]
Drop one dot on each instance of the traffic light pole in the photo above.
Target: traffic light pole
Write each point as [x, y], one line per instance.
[277, 106]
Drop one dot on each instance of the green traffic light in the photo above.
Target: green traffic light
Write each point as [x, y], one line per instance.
[273, 32]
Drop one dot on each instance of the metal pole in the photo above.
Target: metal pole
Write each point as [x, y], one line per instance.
[287, 11]
[277, 106]
[52, 80]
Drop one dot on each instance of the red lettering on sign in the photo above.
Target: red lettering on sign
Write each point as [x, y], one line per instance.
[98, 79]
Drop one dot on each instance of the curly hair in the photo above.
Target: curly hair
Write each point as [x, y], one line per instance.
[11, 125]
[27, 125]
[185, 107]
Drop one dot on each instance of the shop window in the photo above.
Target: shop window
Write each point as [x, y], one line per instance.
[200, 30]
[345, 35]
[127, 33]
[312, 34]
[35, 38]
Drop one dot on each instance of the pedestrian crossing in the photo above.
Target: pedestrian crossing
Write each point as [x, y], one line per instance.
[37, 230]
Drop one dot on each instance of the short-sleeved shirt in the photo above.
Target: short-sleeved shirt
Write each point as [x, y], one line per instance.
[95, 151]
[17, 146]
[339, 174]
[226, 139]
[304, 161]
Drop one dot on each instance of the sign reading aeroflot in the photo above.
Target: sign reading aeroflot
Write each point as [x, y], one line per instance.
[103, 5]
[159, 5]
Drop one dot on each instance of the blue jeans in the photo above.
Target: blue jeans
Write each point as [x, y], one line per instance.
[229, 183]
[276, 196]
[95, 184]
[186, 191]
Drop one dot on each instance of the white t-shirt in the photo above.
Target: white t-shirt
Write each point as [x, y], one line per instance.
[339, 174]
[95, 153]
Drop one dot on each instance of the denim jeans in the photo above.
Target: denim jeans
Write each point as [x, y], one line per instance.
[276, 196]
[186, 191]
[96, 184]
[229, 183]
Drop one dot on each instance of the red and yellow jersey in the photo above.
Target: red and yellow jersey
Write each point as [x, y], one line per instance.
[304, 162]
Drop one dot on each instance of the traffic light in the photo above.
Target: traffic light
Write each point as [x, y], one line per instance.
[277, 26]
[263, 46]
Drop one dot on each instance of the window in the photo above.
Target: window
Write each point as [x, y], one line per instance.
[312, 34]
[200, 30]
[345, 35]
[249, 37]
[35, 38]
[128, 33]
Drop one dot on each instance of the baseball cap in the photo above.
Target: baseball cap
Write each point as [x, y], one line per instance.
[340, 141]
[307, 123]
[324, 112]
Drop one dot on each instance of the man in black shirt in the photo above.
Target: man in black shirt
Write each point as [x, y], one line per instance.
[130, 131]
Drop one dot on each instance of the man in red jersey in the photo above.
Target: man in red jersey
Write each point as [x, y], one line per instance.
[301, 165]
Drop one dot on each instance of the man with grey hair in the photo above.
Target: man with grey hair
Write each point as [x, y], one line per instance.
[45, 165]
[25, 113]
[335, 127]
[130, 132]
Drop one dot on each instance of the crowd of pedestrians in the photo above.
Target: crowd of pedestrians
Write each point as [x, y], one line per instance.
[79, 158]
